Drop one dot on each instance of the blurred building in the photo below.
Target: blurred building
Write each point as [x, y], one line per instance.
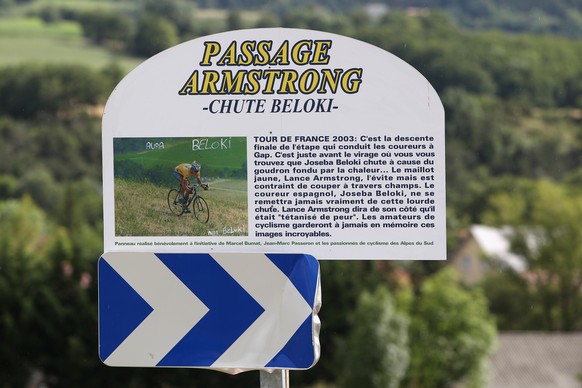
[483, 249]
[376, 10]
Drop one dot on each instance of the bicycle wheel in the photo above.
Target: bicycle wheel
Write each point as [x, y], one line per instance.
[174, 202]
[201, 211]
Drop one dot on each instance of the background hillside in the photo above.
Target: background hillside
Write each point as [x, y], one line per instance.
[509, 74]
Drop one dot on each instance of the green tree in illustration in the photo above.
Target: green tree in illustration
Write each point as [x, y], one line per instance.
[451, 334]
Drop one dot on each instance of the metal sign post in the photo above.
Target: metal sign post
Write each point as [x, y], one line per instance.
[276, 379]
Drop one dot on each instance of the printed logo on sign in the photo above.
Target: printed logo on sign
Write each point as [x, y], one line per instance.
[259, 77]
[267, 80]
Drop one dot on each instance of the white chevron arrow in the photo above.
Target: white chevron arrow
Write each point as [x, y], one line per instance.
[285, 309]
[174, 319]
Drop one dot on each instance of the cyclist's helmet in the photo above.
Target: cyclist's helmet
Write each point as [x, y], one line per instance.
[195, 166]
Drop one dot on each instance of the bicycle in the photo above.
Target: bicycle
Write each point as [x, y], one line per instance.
[199, 205]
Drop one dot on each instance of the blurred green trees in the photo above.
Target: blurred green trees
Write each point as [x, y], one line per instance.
[47, 294]
[513, 116]
[452, 334]
[547, 234]
[106, 27]
[154, 34]
[375, 353]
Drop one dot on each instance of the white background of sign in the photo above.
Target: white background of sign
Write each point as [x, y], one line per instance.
[393, 100]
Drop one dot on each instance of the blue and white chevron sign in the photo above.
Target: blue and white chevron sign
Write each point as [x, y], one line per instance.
[225, 311]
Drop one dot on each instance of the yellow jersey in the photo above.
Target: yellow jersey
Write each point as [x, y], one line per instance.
[185, 169]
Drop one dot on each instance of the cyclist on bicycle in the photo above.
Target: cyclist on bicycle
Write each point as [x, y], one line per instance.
[184, 171]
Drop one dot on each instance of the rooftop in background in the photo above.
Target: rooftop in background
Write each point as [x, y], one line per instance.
[496, 242]
[537, 360]
[482, 249]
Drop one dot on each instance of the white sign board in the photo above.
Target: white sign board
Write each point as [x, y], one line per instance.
[309, 142]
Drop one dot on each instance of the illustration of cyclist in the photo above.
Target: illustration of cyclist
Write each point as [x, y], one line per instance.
[184, 171]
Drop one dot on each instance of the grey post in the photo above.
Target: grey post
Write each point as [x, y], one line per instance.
[279, 378]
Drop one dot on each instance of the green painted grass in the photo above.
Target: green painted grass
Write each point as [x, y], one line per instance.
[141, 209]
